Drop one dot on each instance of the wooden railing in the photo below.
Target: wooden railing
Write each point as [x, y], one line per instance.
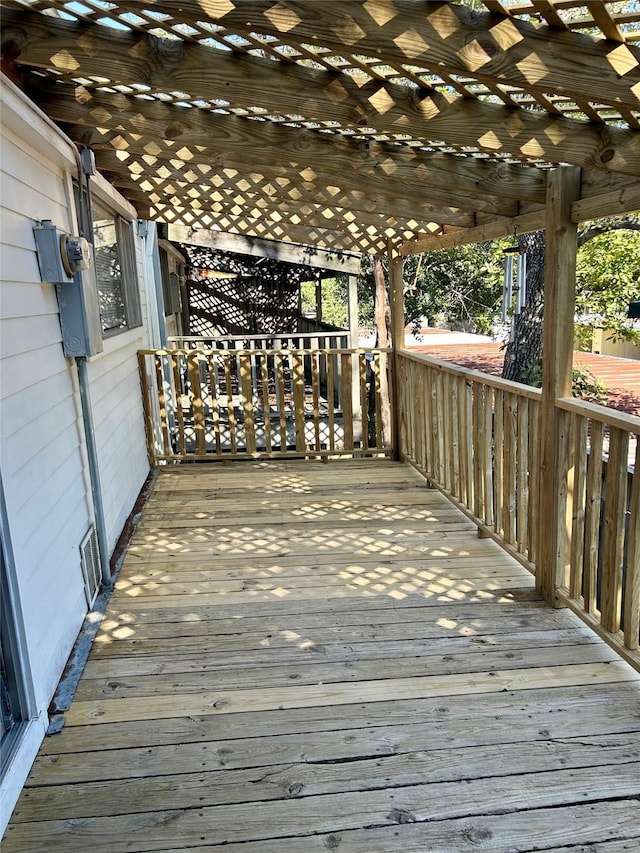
[477, 438]
[600, 549]
[226, 403]
[472, 435]
[323, 339]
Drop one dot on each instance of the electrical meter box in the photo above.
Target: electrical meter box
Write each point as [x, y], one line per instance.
[60, 255]
[67, 262]
[80, 315]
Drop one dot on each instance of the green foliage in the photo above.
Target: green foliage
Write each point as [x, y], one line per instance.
[584, 384]
[607, 279]
[460, 288]
[334, 300]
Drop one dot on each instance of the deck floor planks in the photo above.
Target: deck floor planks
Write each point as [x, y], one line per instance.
[306, 657]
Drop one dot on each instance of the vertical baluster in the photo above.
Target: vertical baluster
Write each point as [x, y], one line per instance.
[427, 437]
[455, 438]
[534, 479]
[522, 491]
[146, 408]
[377, 367]
[162, 406]
[459, 416]
[410, 440]
[231, 415]
[246, 389]
[445, 402]
[175, 365]
[439, 427]
[297, 380]
[315, 385]
[478, 446]
[509, 468]
[579, 499]
[565, 470]
[215, 411]
[345, 389]
[331, 418]
[593, 512]
[197, 406]
[364, 399]
[488, 455]
[469, 450]
[266, 406]
[615, 494]
[280, 388]
[632, 580]
[498, 469]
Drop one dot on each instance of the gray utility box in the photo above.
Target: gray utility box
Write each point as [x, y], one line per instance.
[80, 315]
[68, 263]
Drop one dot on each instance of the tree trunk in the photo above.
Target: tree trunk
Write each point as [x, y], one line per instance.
[382, 314]
[524, 350]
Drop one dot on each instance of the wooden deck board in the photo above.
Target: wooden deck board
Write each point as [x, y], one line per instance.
[307, 657]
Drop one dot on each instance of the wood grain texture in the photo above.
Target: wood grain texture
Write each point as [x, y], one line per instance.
[248, 81]
[277, 703]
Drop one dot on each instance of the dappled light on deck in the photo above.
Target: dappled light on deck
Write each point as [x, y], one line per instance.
[306, 657]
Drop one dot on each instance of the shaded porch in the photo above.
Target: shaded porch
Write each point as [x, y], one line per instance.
[306, 657]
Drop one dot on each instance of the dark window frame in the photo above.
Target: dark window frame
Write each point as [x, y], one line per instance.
[115, 266]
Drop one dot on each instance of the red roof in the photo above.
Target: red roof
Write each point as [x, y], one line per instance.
[621, 376]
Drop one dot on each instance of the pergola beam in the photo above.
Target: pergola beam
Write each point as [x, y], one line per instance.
[80, 49]
[290, 253]
[489, 231]
[439, 36]
[242, 143]
[322, 238]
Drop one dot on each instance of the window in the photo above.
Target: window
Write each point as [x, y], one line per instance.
[115, 272]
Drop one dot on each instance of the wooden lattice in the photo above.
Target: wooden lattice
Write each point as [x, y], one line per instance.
[350, 121]
[260, 296]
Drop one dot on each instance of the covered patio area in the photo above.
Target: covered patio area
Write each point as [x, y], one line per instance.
[302, 657]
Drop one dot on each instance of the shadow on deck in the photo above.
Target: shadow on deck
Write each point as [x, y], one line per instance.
[307, 657]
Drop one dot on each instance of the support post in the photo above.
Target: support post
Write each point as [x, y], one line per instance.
[319, 297]
[563, 188]
[353, 311]
[396, 305]
[353, 344]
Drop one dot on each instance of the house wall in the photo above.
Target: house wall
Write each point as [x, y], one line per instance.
[602, 342]
[42, 454]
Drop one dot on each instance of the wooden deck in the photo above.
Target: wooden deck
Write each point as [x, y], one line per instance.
[306, 657]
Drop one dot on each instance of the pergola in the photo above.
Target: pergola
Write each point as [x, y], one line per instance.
[361, 126]
[343, 124]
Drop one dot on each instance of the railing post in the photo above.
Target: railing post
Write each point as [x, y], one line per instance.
[353, 344]
[396, 304]
[563, 187]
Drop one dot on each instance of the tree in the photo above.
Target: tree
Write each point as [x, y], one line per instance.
[524, 349]
[607, 279]
[459, 288]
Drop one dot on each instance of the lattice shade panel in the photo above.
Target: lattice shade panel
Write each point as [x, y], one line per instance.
[260, 295]
[355, 121]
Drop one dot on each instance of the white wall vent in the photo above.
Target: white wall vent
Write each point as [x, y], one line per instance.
[90, 559]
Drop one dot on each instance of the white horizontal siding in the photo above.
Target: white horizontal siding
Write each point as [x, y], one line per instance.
[42, 452]
[42, 297]
[41, 457]
[37, 399]
[119, 426]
